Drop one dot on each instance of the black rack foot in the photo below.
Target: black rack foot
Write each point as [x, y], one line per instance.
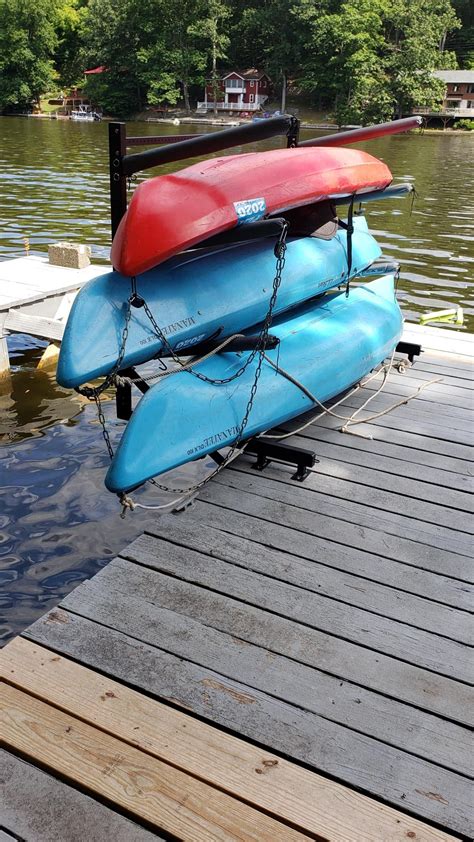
[267, 451]
[410, 349]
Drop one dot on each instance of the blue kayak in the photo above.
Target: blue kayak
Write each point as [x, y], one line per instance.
[199, 294]
[327, 345]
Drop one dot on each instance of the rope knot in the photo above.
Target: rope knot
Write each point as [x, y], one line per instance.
[127, 503]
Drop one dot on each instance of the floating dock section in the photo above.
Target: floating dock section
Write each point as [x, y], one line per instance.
[282, 661]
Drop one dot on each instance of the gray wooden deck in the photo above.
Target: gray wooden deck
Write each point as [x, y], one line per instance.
[329, 621]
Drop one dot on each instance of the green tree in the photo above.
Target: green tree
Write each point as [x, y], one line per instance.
[374, 58]
[68, 55]
[268, 34]
[343, 58]
[210, 29]
[117, 36]
[175, 61]
[462, 41]
[27, 42]
[417, 31]
[153, 50]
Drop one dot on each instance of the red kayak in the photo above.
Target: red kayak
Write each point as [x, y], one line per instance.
[170, 213]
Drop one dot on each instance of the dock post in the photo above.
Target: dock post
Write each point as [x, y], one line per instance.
[4, 360]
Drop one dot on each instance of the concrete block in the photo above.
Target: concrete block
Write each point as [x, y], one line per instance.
[69, 255]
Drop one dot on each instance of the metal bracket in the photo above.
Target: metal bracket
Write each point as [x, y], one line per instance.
[293, 134]
[410, 349]
[123, 395]
[267, 451]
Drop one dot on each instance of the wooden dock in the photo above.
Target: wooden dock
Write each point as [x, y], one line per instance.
[281, 661]
[35, 298]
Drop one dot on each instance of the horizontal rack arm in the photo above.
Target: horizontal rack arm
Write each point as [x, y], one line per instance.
[365, 133]
[206, 144]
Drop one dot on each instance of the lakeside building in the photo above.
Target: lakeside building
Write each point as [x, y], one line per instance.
[458, 100]
[246, 90]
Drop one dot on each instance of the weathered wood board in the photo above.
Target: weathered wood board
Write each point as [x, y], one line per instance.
[326, 625]
[38, 807]
[308, 801]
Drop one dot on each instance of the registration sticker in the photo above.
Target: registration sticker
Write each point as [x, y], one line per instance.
[250, 210]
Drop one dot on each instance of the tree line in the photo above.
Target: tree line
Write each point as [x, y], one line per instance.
[362, 60]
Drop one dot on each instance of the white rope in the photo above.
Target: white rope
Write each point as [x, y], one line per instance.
[192, 361]
[386, 373]
[326, 410]
[129, 503]
[385, 370]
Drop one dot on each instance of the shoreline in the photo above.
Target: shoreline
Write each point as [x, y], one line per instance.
[229, 122]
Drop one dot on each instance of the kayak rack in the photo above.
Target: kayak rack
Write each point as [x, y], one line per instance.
[123, 166]
[267, 451]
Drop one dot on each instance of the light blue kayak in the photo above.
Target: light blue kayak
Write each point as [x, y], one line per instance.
[328, 346]
[199, 294]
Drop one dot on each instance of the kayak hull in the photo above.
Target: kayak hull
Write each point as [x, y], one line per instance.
[170, 213]
[328, 346]
[200, 294]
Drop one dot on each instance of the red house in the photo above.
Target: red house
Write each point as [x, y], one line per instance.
[238, 91]
[458, 99]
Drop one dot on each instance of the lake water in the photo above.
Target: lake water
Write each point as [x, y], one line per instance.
[58, 525]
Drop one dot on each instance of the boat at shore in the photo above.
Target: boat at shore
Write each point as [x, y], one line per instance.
[85, 114]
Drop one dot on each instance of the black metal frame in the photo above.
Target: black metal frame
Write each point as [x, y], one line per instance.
[410, 349]
[177, 148]
[122, 166]
[268, 451]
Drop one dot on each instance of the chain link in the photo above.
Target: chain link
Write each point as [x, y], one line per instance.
[94, 393]
[280, 254]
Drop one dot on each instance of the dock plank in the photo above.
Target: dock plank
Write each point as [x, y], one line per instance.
[357, 511]
[336, 656]
[341, 448]
[234, 648]
[444, 589]
[344, 535]
[418, 647]
[340, 485]
[411, 434]
[397, 777]
[311, 573]
[400, 403]
[282, 789]
[448, 397]
[146, 787]
[427, 494]
[399, 453]
[324, 626]
[328, 497]
[39, 808]
[304, 580]
[432, 366]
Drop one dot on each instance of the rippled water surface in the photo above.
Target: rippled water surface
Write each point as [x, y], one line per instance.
[58, 525]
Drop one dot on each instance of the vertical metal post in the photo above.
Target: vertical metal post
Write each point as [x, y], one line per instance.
[293, 134]
[118, 181]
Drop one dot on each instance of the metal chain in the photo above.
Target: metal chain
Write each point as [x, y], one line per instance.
[94, 393]
[105, 432]
[280, 254]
